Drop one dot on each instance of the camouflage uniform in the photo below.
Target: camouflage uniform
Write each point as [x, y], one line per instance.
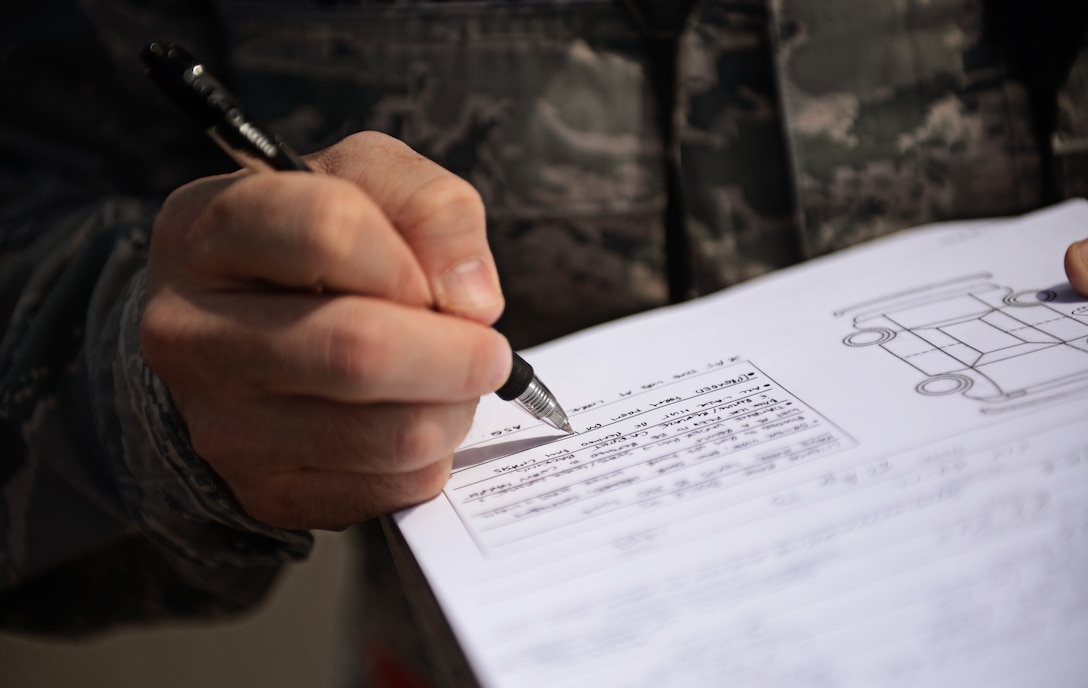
[630, 153]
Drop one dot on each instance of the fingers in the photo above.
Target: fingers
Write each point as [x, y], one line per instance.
[382, 221]
[1076, 266]
[297, 432]
[440, 216]
[296, 462]
[290, 230]
[283, 394]
[345, 348]
[333, 500]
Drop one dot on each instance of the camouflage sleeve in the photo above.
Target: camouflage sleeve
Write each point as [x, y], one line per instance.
[106, 512]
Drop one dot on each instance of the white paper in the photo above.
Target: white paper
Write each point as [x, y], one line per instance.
[868, 470]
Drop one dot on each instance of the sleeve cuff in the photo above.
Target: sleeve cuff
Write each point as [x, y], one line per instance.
[173, 495]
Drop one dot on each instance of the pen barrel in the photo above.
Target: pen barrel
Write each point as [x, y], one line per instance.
[183, 79]
[256, 151]
[521, 376]
[537, 400]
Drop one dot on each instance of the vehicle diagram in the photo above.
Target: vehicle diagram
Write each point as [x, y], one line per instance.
[986, 341]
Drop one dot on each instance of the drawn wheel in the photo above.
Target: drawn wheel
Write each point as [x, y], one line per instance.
[940, 385]
[869, 337]
[1030, 298]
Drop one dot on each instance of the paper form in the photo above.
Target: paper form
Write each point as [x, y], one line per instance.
[869, 470]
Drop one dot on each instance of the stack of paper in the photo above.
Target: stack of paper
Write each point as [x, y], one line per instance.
[868, 470]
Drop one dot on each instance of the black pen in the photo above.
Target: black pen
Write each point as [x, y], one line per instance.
[183, 78]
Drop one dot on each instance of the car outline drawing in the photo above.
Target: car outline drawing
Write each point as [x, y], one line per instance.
[974, 337]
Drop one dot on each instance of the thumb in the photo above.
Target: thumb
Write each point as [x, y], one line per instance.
[444, 224]
[439, 215]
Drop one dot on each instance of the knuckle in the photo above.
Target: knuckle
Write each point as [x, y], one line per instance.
[425, 483]
[355, 351]
[431, 434]
[160, 336]
[371, 139]
[202, 227]
[350, 150]
[335, 219]
[448, 195]
[419, 441]
[179, 211]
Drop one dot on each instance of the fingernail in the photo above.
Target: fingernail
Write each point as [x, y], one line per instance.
[468, 285]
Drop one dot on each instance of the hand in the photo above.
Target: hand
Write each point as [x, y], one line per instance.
[1076, 266]
[326, 336]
